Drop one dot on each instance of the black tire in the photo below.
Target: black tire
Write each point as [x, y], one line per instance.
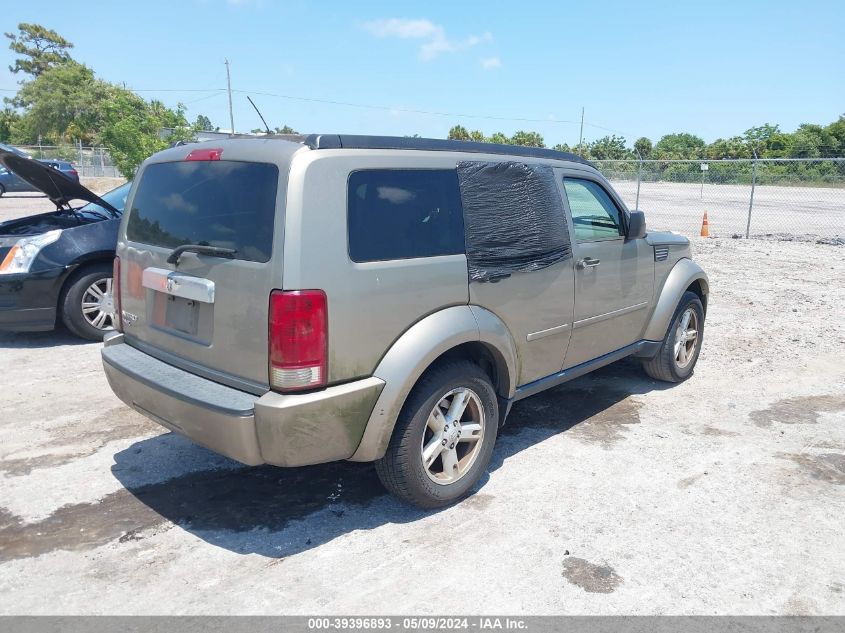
[664, 366]
[70, 302]
[401, 470]
[2, 191]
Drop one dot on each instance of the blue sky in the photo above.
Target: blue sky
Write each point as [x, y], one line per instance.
[640, 69]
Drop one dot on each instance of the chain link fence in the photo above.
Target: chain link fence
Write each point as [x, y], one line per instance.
[793, 198]
[90, 162]
[790, 198]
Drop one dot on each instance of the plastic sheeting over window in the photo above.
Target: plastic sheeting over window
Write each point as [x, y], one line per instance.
[513, 217]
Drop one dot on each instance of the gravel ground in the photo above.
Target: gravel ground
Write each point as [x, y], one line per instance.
[612, 494]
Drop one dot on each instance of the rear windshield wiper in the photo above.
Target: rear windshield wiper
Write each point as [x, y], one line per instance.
[202, 249]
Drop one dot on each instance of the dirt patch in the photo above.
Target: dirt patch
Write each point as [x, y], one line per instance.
[76, 527]
[216, 502]
[594, 413]
[101, 184]
[86, 436]
[478, 501]
[827, 467]
[717, 432]
[590, 577]
[801, 410]
[686, 482]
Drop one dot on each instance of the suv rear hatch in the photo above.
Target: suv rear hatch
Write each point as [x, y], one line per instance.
[200, 251]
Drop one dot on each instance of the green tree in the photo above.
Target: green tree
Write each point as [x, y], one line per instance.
[286, 129]
[477, 135]
[8, 118]
[39, 48]
[530, 139]
[609, 148]
[679, 146]
[836, 130]
[562, 147]
[458, 133]
[812, 141]
[734, 147]
[132, 128]
[499, 138]
[643, 146]
[61, 103]
[203, 124]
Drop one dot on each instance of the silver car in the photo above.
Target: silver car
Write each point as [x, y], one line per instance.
[383, 299]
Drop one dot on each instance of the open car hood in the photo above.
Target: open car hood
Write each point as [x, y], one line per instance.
[60, 188]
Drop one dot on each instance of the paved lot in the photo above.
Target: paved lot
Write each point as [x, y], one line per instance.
[612, 494]
[793, 210]
[14, 205]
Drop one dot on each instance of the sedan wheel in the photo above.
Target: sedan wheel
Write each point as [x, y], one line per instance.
[98, 304]
[86, 304]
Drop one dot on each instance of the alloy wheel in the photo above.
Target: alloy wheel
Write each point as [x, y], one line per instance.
[686, 338]
[453, 436]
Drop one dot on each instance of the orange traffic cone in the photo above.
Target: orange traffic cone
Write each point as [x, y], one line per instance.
[705, 227]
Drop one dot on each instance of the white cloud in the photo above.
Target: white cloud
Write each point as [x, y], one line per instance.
[491, 63]
[404, 29]
[421, 29]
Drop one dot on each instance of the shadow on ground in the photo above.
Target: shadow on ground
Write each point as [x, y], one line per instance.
[35, 340]
[328, 500]
[277, 512]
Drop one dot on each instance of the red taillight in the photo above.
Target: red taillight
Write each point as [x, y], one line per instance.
[73, 172]
[299, 337]
[117, 322]
[205, 154]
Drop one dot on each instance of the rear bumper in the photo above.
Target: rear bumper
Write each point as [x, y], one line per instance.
[284, 430]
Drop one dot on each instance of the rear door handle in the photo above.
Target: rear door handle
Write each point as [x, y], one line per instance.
[587, 262]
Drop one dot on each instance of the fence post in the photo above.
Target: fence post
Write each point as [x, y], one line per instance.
[639, 179]
[751, 200]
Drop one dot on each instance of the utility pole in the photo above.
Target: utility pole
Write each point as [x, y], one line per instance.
[581, 135]
[229, 87]
[753, 184]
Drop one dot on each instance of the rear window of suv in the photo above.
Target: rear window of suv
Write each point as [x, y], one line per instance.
[404, 213]
[213, 203]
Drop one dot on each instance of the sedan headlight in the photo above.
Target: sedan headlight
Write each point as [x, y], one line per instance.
[25, 250]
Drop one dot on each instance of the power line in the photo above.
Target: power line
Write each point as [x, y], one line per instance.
[384, 108]
[426, 112]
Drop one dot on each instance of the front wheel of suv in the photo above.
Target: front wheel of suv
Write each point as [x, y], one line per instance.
[682, 344]
[443, 438]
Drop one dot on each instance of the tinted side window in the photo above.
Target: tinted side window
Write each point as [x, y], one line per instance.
[594, 214]
[404, 213]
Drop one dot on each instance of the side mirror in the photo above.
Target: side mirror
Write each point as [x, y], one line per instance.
[636, 225]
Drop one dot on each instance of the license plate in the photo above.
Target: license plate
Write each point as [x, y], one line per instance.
[180, 314]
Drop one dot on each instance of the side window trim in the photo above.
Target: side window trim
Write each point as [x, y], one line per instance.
[623, 214]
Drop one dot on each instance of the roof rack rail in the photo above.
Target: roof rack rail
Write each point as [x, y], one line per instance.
[356, 141]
